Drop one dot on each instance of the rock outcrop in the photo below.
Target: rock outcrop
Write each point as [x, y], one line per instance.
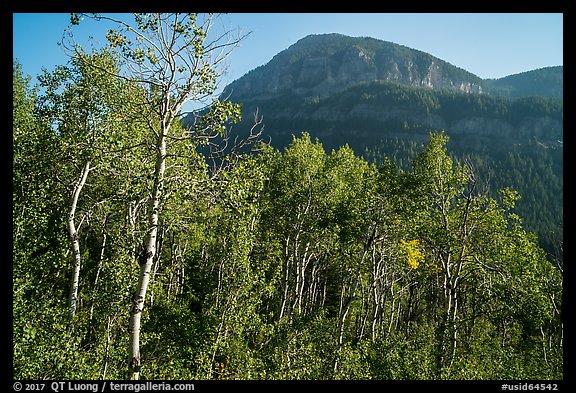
[322, 65]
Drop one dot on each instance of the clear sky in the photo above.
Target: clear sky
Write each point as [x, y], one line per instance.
[490, 45]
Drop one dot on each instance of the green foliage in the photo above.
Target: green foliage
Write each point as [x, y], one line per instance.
[514, 143]
[189, 333]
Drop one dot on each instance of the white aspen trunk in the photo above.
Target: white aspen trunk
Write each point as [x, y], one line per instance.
[106, 351]
[398, 311]
[298, 277]
[314, 288]
[300, 289]
[392, 307]
[379, 297]
[324, 293]
[155, 264]
[146, 259]
[100, 262]
[75, 244]
[102, 249]
[377, 301]
[298, 265]
[131, 218]
[452, 314]
[453, 327]
[286, 280]
[366, 306]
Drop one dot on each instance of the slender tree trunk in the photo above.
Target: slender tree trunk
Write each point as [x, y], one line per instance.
[74, 242]
[107, 350]
[133, 210]
[100, 262]
[146, 258]
[452, 322]
[305, 260]
[379, 295]
[287, 258]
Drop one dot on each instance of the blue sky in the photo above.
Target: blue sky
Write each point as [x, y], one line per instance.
[490, 45]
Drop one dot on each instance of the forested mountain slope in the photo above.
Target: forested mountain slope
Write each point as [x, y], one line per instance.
[547, 81]
[382, 99]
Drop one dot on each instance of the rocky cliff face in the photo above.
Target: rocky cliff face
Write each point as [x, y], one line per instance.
[337, 86]
[321, 65]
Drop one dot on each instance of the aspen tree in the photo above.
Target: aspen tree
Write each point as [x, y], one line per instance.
[180, 59]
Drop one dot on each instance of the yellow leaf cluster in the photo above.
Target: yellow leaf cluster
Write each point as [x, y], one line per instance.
[413, 254]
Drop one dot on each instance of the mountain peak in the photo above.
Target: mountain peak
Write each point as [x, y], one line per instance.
[322, 36]
[319, 65]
